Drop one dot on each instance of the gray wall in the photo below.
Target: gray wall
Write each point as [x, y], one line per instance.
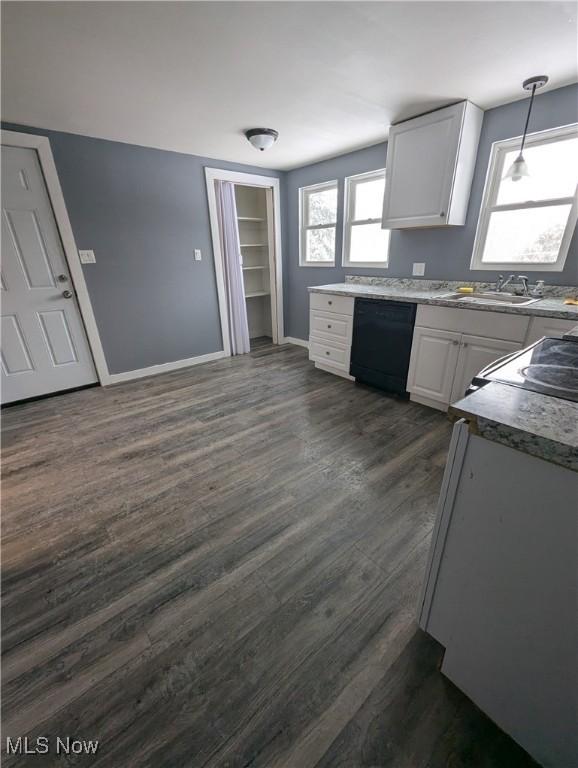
[143, 212]
[446, 252]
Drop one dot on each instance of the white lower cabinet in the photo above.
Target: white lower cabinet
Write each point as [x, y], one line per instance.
[432, 365]
[476, 353]
[330, 331]
[443, 363]
[450, 346]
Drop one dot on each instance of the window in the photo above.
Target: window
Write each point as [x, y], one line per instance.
[529, 223]
[318, 223]
[365, 243]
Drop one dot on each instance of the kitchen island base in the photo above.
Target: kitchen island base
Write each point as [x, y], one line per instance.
[501, 591]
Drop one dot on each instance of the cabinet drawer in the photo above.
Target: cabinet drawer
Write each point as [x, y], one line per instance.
[336, 355]
[493, 325]
[330, 325]
[331, 303]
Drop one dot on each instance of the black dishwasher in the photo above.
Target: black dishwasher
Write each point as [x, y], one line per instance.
[381, 345]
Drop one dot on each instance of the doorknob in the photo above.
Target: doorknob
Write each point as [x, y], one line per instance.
[62, 278]
[67, 294]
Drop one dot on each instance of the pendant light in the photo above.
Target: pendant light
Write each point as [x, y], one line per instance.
[518, 169]
[262, 138]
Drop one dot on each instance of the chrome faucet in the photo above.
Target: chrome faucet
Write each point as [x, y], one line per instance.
[501, 283]
[521, 279]
[524, 280]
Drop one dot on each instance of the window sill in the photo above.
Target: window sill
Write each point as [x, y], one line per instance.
[520, 266]
[365, 265]
[317, 264]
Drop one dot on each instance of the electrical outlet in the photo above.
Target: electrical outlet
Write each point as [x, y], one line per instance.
[418, 269]
[87, 257]
[197, 254]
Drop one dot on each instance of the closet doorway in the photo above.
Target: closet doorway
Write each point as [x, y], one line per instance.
[259, 237]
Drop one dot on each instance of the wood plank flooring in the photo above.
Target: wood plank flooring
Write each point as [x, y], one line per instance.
[219, 568]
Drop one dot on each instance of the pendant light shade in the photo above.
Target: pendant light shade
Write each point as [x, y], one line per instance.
[519, 169]
[262, 138]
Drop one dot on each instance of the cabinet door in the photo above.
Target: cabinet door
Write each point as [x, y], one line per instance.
[546, 326]
[475, 353]
[421, 161]
[432, 366]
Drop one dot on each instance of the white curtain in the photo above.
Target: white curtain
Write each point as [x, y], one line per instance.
[232, 267]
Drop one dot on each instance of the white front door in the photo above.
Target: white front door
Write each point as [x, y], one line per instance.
[44, 345]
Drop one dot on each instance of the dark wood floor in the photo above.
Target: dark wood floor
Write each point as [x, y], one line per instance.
[220, 567]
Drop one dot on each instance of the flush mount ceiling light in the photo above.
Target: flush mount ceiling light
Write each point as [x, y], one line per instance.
[518, 169]
[262, 138]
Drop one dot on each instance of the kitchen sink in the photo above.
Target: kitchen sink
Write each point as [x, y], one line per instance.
[491, 297]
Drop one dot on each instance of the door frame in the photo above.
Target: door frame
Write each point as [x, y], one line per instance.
[44, 152]
[247, 180]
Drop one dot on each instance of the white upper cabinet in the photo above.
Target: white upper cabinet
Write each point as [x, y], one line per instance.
[429, 169]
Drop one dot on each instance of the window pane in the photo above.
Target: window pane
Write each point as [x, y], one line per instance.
[368, 243]
[320, 244]
[368, 198]
[528, 236]
[553, 171]
[322, 206]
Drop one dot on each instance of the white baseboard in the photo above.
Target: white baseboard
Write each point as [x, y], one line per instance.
[295, 340]
[427, 401]
[153, 370]
[335, 371]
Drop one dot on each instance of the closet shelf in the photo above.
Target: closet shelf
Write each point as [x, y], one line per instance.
[253, 245]
[257, 293]
[258, 266]
[249, 218]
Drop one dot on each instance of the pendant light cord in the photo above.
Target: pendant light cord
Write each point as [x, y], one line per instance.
[528, 118]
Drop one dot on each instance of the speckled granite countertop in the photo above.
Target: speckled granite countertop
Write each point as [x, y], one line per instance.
[412, 292]
[543, 426]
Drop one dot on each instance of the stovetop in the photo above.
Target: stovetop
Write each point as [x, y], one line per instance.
[550, 367]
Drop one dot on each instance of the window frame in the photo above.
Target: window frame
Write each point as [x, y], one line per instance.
[494, 176]
[349, 222]
[304, 194]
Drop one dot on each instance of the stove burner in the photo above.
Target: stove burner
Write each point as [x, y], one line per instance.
[556, 349]
[563, 378]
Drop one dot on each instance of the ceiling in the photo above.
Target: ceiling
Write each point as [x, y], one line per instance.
[329, 76]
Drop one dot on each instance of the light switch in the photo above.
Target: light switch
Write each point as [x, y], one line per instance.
[418, 269]
[197, 254]
[87, 257]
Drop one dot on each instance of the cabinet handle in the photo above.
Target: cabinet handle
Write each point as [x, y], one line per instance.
[465, 343]
[327, 353]
[329, 326]
[455, 343]
[330, 302]
[442, 213]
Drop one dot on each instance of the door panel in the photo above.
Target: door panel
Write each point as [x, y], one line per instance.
[15, 355]
[44, 345]
[58, 337]
[475, 353]
[434, 355]
[26, 238]
[420, 168]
